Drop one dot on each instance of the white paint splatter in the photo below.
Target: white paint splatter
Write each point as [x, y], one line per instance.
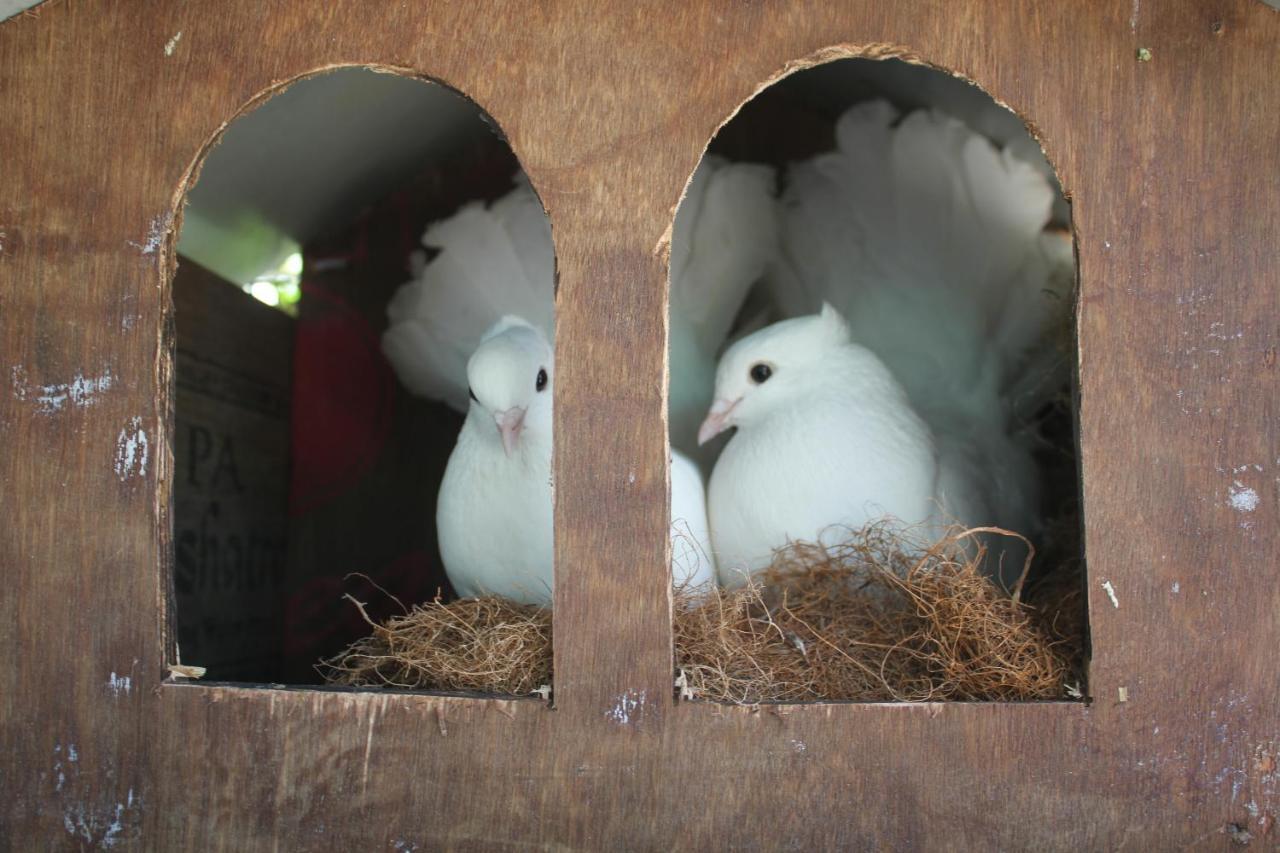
[1111, 594]
[118, 684]
[626, 705]
[104, 831]
[1241, 497]
[1176, 588]
[132, 451]
[18, 380]
[57, 769]
[631, 478]
[93, 824]
[1217, 331]
[81, 392]
[171, 44]
[117, 824]
[798, 745]
[155, 235]
[1197, 296]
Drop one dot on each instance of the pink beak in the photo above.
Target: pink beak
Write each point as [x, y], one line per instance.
[717, 420]
[510, 423]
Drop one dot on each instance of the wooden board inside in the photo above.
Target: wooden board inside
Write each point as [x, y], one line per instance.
[231, 485]
[1169, 158]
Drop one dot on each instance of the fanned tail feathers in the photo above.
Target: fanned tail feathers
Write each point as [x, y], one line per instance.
[492, 261]
[931, 242]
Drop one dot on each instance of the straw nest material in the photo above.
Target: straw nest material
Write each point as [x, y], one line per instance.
[870, 620]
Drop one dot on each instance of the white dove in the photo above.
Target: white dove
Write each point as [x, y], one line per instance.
[931, 242]
[826, 437]
[494, 513]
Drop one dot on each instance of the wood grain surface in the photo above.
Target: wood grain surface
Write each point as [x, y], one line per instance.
[1171, 165]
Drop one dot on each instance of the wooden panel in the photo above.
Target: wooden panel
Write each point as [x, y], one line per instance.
[231, 476]
[1170, 163]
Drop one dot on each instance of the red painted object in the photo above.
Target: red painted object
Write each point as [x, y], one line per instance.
[343, 400]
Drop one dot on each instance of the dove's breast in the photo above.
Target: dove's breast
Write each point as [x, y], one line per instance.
[494, 519]
[818, 471]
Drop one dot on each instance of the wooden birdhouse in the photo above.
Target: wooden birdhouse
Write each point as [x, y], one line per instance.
[191, 475]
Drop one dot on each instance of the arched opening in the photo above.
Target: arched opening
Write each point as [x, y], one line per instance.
[323, 331]
[873, 349]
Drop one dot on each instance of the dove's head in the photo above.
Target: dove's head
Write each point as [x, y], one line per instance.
[510, 375]
[772, 369]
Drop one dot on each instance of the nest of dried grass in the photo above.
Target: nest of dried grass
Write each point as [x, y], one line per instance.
[870, 620]
[490, 645]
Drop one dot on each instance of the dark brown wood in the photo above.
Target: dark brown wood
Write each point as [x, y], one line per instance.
[1171, 166]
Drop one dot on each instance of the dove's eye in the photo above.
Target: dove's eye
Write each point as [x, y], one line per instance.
[760, 373]
[473, 394]
[541, 382]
